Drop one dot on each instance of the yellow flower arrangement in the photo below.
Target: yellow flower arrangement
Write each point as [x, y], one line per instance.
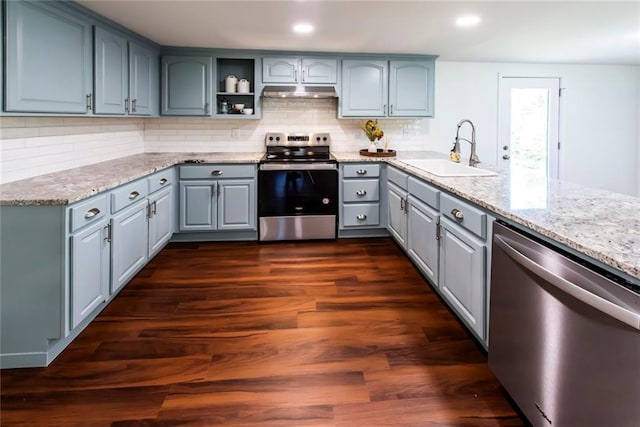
[372, 130]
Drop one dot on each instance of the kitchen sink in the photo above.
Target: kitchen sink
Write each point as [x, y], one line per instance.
[442, 167]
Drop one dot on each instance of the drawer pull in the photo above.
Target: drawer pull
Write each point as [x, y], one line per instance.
[457, 214]
[91, 213]
[216, 172]
[361, 192]
[163, 181]
[361, 217]
[133, 195]
[361, 171]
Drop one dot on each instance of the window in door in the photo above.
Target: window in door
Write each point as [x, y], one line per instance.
[528, 136]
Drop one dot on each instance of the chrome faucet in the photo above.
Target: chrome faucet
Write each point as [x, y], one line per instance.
[473, 159]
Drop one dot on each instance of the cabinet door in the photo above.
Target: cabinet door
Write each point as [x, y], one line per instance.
[280, 70]
[319, 70]
[111, 79]
[129, 241]
[161, 208]
[397, 215]
[89, 268]
[186, 85]
[462, 274]
[411, 88]
[143, 80]
[237, 204]
[364, 88]
[198, 205]
[48, 63]
[422, 243]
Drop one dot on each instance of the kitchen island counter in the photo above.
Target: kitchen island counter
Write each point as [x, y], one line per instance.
[601, 224]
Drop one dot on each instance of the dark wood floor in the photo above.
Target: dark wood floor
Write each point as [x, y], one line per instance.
[343, 333]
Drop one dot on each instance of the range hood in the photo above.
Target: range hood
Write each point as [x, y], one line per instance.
[299, 91]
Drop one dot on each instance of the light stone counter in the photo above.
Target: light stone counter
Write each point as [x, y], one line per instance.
[600, 224]
[69, 186]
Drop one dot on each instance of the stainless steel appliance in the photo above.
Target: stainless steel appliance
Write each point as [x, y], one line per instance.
[564, 336]
[297, 188]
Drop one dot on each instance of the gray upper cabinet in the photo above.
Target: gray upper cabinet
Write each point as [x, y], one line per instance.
[364, 88]
[299, 70]
[186, 85]
[48, 59]
[144, 88]
[379, 88]
[111, 77]
[411, 88]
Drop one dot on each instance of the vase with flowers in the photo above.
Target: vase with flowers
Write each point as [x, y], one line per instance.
[374, 133]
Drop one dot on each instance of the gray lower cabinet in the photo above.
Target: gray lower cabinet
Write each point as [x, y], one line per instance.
[129, 240]
[186, 85]
[226, 201]
[397, 204]
[161, 207]
[48, 59]
[422, 238]
[361, 199]
[89, 270]
[462, 274]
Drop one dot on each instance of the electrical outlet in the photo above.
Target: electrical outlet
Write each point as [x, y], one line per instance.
[234, 133]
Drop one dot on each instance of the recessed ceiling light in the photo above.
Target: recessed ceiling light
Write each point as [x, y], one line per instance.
[303, 28]
[467, 21]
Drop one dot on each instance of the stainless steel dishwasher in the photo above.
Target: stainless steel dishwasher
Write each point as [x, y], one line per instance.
[564, 337]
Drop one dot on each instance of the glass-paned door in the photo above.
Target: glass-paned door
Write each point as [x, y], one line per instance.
[528, 125]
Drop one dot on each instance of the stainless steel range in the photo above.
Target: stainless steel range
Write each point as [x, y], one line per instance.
[297, 188]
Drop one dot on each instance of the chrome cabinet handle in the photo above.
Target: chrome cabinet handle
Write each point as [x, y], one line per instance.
[361, 171]
[163, 181]
[108, 238]
[154, 208]
[457, 214]
[89, 101]
[506, 157]
[295, 74]
[133, 195]
[133, 105]
[402, 204]
[91, 213]
[361, 192]
[216, 172]
[391, 110]
[206, 108]
[303, 78]
[126, 105]
[361, 217]
[384, 108]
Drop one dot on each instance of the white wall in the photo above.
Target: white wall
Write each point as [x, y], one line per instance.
[599, 116]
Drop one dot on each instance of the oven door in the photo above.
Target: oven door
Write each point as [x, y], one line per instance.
[297, 201]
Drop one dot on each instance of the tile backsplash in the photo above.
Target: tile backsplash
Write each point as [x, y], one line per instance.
[278, 115]
[31, 146]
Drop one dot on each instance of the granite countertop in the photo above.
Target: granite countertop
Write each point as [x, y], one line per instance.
[69, 186]
[600, 224]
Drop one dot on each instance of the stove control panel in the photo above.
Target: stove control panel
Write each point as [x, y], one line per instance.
[297, 139]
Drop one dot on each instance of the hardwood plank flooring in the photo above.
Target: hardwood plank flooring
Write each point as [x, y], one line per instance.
[338, 333]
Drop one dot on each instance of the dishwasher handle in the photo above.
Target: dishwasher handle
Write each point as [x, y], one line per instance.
[619, 313]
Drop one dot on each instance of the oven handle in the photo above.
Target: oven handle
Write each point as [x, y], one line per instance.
[595, 301]
[305, 166]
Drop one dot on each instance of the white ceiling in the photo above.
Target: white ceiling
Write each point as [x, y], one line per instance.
[596, 32]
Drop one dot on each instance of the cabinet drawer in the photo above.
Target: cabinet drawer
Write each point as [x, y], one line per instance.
[160, 180]
[425, 192]
[360, 170]
[361, 214]
[361, 190]
[217, 171]
[88, 212]
[398, 177]
[128, 194]
[469, 217]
